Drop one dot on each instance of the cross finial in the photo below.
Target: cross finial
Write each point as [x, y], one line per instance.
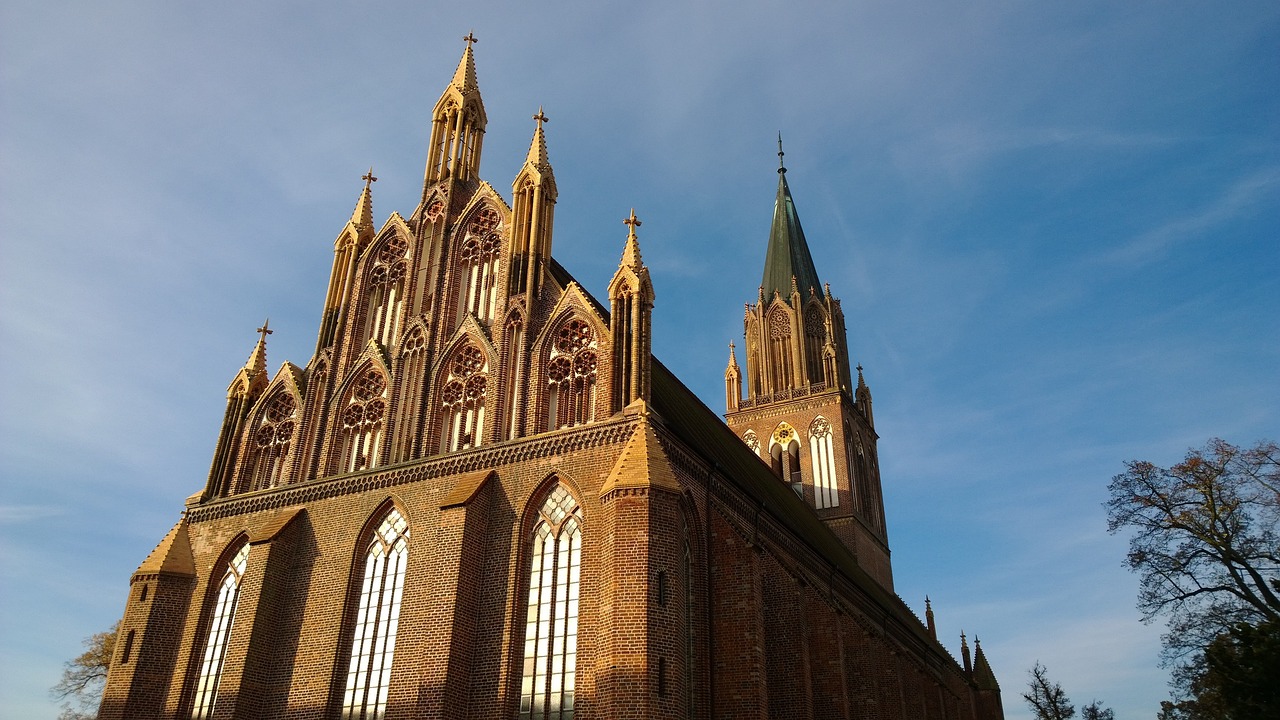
[541, 117]
[469, 39]
[731, 346]
[368, 178]
[782, 168]
[265, 330]
[632, 222]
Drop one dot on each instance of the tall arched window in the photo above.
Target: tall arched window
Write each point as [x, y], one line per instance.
[269, 447]
[780, 350]
[512, 344]
[412, 376]
[571, 376]
[374, 641]
[815, 337]
[551, 626]
[784, 451]
[384, 307]
[215, 646]
[477, 266]
[462, 399]
[362, 420]
[821, 453]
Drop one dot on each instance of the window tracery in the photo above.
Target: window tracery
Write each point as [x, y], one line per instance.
[362, 422]
[821, 454]
[462, 399]
[220, 621]
[753, 442]
[478, 266]
[551, 622]
[385, 305]
[269, 452]
[412, 374]
[781, 364]
[572, 373]
[377, 618]
[815, 336]
[784, 451]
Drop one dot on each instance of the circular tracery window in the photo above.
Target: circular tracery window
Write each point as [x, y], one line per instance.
[484, 221]
[574, 336]
[369, 386]
[434, 210]
[468, 362]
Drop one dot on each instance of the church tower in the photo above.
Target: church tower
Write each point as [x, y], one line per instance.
[802, 414]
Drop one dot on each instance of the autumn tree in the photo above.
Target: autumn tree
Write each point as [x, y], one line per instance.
[1205, 543]
[1046, 698]
[83, 678]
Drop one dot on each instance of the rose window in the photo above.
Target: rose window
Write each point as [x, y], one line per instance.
[572, 371]
[435, 210]
[484, 222]
[462, 400]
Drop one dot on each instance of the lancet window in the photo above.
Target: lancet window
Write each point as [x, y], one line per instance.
[512, 344]
[572, 372]
[373, 642]
[826, 494]
[269, 446]
[815, 337]
[477, 266]
[780, 350]
[362, 422]
[462, 399]
[784, 451]
[384, 307]
[551, 625]
[413, 372]
[215, 646]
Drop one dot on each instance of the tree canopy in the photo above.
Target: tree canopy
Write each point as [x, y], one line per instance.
[83, 677]
[1205, 543]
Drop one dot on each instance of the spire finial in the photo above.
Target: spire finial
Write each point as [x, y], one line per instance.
[782, 168]
[264, 331]
[470, 38]
[632, 222]
[541, 117]
[368, 178]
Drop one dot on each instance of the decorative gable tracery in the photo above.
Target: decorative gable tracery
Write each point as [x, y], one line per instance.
[463, 395]
[385, 289]
[477, 265]
[572, 375]
[361, 421]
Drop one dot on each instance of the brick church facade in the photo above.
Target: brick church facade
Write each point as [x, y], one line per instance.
[482, 497]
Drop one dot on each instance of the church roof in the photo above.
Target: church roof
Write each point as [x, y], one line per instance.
[983, 677]
[788, 254]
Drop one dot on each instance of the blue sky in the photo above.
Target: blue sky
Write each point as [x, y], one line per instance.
[1054, 227]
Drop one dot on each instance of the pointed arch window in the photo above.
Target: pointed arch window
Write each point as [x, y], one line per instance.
[753, 442]
[551, 625]
[362, 422]
[463, 399]
[478, 266]
[374, 641]
[412, 374]
[784, 451]
[815, 338]
[512, 351]
[270, 444]
[215, 646]
[572, 374]
[826, 494]
[780, 358]
[384, 306]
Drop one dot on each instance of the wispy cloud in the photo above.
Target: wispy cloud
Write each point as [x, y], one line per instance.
[1236, 200]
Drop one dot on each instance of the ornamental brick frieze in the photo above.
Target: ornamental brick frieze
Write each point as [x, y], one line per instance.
[812, 402]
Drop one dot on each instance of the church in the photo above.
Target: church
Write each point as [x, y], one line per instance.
[483, 497]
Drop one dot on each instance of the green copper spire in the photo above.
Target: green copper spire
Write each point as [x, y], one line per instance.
[788, 254]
